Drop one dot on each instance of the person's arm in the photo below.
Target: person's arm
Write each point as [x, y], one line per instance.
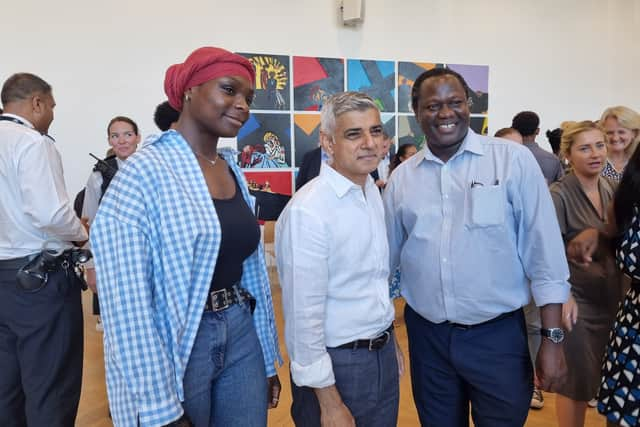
[395, 232]
[302, 253]
[45, 197]
[92, 194]
[542, 252]
[120, 238]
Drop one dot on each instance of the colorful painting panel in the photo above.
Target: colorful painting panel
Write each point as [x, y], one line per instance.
[272, 181]
[306, 134]
[480, 124]
[272, 81]
[477, 77]
[409, 132]
[375, 78]
[314, 80]
[264, 141]
[407, 74]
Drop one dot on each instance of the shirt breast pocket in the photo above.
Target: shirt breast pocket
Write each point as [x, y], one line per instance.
[486, 206]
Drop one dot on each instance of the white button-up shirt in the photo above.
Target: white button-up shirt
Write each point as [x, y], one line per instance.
[332, 257]
[34, 205]
[470, 234]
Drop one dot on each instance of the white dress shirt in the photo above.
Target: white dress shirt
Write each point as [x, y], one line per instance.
[470, 234]
[332, 259]
[34, 205]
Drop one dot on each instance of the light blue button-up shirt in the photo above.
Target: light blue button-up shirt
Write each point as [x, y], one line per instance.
[472, 233]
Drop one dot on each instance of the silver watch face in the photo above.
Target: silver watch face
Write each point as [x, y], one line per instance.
[556, 335]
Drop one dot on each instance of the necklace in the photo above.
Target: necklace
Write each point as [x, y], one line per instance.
[211, 162]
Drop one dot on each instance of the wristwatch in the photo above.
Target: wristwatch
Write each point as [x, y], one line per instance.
[556, 335]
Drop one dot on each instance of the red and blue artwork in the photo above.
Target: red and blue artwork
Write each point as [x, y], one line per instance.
[264, 141]
[376, 79]
[314, 80]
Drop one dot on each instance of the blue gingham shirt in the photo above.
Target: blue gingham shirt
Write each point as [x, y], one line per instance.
[156, 239]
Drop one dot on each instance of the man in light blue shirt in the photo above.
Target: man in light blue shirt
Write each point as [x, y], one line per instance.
[470, 222]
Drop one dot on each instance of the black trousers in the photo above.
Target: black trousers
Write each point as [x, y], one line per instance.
[41, 350]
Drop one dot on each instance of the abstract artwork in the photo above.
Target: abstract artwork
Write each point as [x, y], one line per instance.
[306, 134]
[477, 77]
[376, 79]
[314, 80]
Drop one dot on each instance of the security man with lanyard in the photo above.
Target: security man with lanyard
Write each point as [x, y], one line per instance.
[41, 330]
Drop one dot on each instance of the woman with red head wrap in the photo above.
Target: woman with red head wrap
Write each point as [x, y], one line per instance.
[190, 335]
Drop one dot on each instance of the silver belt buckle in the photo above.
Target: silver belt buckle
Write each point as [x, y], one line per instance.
[386, 336]
[212, 296]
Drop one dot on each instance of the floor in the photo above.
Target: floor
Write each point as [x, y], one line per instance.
[93, 404]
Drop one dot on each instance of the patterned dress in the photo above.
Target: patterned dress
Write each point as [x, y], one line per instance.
[619, 396]
[610, 172]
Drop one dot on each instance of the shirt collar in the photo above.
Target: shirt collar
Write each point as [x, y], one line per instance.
[340, 184]
[471, 143]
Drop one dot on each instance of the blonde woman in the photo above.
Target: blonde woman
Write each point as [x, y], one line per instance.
[622, 125]
[581, 200]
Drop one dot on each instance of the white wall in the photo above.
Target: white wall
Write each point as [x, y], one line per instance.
[566, 59]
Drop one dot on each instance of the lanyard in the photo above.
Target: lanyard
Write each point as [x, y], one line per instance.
[20, 122]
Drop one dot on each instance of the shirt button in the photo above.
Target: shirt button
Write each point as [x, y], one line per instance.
[444, 260]
[446, 196]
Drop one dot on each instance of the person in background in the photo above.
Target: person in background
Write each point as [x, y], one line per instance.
[165, 117]
[622, 125]
[527, 123]
[510, 134]
[123, 138]
[405, 151]
[338, 314]
[41, 329]
[189, 328]
[310, 167]
[581, 199]
[381, 173]
[620, 381]
[471, 224]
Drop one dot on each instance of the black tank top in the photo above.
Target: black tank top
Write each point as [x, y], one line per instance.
[240, 238]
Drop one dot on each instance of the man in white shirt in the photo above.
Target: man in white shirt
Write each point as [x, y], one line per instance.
[333, 264]
[41, 343]
[473, 229]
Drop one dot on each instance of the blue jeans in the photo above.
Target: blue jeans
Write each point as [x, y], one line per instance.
[367, 382]
[225, 383]
[487, 365]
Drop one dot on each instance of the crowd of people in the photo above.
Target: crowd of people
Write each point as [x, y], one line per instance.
[519, 267]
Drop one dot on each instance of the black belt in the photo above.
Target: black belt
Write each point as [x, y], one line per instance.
[372, 344]
[15, 263]
[224, 298]
[495, 319]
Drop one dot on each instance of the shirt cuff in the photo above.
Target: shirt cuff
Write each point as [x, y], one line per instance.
[550, 292]
[317, 375]
[160, 413]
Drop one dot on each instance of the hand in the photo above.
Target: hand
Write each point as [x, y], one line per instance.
[400, 358]
[581, 248]
[380, 183]
[551, 366]
[338, 416]
[569, 313]
[90, 277]
[273, 391]
[333, 411]
[85, 223]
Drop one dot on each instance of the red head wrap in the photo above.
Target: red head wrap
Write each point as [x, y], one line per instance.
[204, 64]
